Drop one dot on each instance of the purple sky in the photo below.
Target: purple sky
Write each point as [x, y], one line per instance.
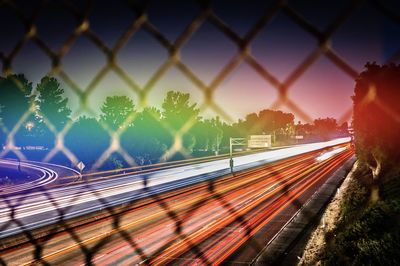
[323, 90]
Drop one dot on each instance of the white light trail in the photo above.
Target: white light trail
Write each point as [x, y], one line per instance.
[329, 154]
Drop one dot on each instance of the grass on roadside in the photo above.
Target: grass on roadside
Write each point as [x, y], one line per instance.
[367, 233]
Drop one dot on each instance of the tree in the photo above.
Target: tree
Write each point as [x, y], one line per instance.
[325, 127]
[344, 129]
[87, 139]
[208, 134]
[51, 102]
[304, 129]
[14, 99]
[283, 120]
[230, 131]
[268, 121]
[376, 120]
[52, 111]
[215, 133]
[200, 133]
[117, 111]
[275, 121]
[143, 139]
[177, 113]
[253, 124]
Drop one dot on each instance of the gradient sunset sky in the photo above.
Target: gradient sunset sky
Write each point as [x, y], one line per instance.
[323, 90]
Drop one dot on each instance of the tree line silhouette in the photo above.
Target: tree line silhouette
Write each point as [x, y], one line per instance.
[41, 117]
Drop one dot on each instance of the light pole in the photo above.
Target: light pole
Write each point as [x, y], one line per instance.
[232, 142]
[274, 134]
[29, 126]
[216, 145]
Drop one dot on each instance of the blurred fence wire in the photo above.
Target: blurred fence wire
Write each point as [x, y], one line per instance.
[142, 21]
[206, 13]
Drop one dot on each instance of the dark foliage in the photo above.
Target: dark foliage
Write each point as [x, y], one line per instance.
[14, 99]
[377, 114]
[87, 139]
[368, 232]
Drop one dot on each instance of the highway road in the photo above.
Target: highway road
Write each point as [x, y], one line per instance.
[48, 206]
[180, 216]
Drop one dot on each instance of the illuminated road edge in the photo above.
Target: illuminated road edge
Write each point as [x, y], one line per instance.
[38, 209]
[288, 244]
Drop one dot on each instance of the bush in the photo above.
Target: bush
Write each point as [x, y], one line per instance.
[368, 233]
[376, 111]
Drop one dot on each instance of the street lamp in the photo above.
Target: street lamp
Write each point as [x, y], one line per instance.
[29, 126]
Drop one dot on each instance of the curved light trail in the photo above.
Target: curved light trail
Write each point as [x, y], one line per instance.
[45, 176]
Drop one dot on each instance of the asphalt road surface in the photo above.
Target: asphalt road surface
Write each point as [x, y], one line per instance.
[189, 215]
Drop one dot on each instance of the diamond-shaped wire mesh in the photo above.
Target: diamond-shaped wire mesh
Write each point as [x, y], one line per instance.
[244, 55]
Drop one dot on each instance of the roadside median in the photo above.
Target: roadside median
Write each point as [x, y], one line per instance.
[287, 246]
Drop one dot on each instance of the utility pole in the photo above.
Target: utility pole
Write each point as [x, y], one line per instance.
[232, 142]
[216, 145]
[274, 134]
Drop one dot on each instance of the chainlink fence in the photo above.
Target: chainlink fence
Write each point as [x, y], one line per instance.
[141, 21]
